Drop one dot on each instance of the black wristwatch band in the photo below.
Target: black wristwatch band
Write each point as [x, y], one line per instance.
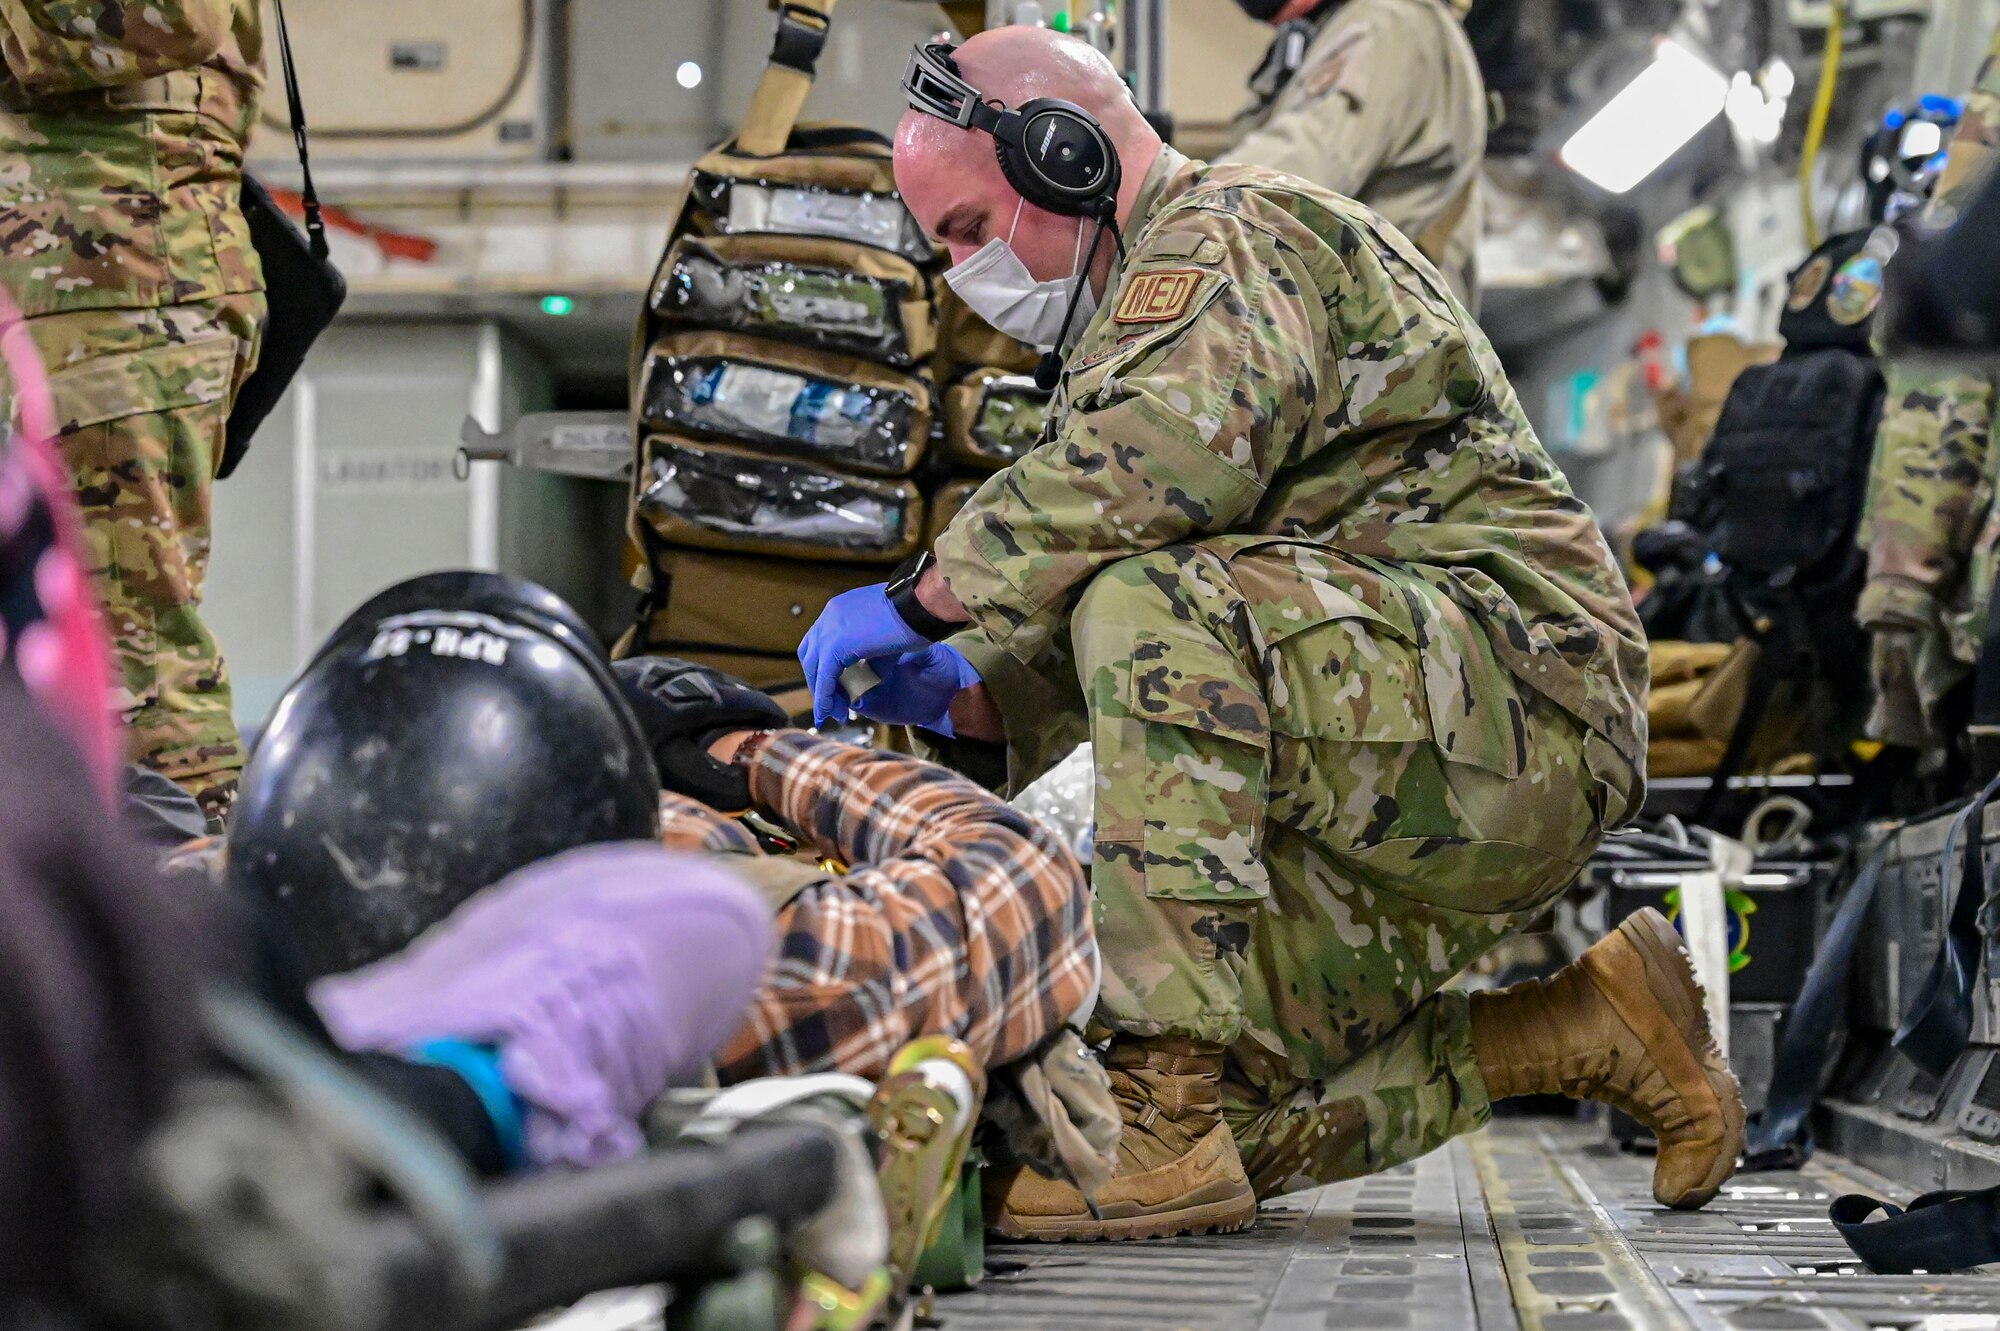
[902, 594]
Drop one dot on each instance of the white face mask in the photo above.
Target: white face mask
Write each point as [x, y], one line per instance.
[999, 289]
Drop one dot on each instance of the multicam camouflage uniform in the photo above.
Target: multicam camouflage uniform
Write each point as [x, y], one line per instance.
[1387, 107]
[122, 127]
[1931, 528]
[1363, 680]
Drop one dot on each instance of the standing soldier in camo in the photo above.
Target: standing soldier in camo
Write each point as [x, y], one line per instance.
[1380, 100]
[122, 238]
[1362, 680]
[1931, 529]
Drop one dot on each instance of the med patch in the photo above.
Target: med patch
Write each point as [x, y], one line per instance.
[1157, 296]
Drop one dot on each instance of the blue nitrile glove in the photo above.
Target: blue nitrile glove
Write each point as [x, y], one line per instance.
[855, 626]
[917, 688]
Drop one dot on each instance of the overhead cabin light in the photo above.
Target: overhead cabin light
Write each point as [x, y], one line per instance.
[1777, 79]
[1650, 118]
[688, 74]
[1756, 106]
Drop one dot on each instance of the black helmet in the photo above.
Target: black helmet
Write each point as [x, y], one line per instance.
[467, 589]
[455, 728]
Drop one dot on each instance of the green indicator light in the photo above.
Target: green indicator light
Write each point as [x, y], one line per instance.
[1060, 20]
[557, 305]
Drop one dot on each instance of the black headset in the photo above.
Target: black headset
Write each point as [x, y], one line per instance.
[1054, 153]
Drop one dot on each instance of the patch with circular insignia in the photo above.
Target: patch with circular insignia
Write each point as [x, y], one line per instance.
[1808, 284]
[1857, 289]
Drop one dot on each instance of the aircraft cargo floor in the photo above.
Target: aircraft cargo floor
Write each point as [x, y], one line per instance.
[1533, 1224]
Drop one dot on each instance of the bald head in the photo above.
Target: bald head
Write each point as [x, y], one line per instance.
[1017, 64]
[951, 179]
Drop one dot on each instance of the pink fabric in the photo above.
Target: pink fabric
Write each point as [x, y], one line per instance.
[63, 657]
[603, 975]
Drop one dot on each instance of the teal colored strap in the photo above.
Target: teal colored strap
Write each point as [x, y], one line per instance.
[479, 1065]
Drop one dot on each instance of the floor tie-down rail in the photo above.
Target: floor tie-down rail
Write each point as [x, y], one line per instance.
[1532, 1224]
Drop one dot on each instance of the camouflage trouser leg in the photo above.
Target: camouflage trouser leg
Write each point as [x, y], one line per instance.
[143, 396]
[1293, 853]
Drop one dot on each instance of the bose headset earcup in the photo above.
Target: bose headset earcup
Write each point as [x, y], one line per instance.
[1057, 157]
[1054, 153]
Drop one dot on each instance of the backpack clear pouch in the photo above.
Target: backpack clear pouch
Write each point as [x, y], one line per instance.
[992, 418]
[812, 292]
[727, 499]
[834, 409]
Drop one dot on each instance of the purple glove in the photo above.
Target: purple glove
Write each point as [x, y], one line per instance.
[603, 976]
[917, 688]
[855, 626]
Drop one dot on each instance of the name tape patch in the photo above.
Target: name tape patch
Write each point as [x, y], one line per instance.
[1157, 296]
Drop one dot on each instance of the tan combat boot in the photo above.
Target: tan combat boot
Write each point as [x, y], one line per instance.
[1178, 1171]
[1623, 1024]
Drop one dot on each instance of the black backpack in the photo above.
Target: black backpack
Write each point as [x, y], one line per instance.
[1780, 484]
[1776, 496]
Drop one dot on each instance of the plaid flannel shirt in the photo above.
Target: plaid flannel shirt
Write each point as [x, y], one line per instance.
[960, 915]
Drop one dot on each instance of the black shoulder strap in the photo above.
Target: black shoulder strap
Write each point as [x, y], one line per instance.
[296, 111]
[1777, 661]
[1282, 59]
[1780, 1138]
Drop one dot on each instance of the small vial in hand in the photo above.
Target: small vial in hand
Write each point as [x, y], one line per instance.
[857, 679]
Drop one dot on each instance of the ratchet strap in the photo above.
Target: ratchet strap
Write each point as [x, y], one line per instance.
[1781, 1138]
[1938, 1025]
[788, 77]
